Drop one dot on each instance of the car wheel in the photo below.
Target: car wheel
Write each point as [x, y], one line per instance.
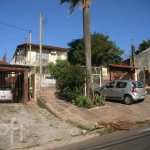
[97, 94]
[128, 100]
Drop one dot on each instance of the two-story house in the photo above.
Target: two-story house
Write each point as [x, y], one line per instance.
[24, 55]
[29, 54]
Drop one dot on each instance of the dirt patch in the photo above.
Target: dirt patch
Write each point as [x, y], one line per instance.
[122, 125]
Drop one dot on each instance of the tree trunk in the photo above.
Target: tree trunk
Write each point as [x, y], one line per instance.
[87, 48]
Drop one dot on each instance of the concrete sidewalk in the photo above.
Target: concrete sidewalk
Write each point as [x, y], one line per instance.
[111, 112]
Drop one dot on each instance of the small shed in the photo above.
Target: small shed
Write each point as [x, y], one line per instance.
[17, 77]
[121, 72]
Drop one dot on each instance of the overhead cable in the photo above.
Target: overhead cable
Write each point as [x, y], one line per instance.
[10, 38]
[15, 27]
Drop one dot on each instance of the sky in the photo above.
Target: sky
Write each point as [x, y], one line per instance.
[125, 21]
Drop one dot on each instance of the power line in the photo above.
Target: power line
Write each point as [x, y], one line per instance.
[10, 38]
[15, 27]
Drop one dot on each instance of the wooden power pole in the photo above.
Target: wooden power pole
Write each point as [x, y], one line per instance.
[133, 51]
[40, 43]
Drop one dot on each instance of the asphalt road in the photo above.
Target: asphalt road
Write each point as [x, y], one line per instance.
[136, 139]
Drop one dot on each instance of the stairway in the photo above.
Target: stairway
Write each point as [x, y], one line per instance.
[47, 92]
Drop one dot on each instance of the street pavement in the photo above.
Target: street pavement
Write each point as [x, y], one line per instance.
[113, 111]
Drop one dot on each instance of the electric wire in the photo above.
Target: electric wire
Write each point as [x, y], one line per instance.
[15, 27]
[10, 38]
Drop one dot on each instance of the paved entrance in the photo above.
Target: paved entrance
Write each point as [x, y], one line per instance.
[112, 112]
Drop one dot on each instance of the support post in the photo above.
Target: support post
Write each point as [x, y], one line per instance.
[25, 88]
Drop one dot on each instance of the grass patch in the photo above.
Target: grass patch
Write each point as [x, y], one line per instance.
[142, 122]
[15, 122]
[75, 135]
[57, 139]
[82, 127]
[106, 131]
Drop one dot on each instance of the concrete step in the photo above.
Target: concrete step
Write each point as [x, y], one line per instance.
[47, 92]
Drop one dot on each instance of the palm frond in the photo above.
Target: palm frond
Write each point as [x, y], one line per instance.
[73, 5]
[65, 1]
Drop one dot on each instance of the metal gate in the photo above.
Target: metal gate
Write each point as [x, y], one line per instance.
[99, 78]
[16, 81]
[96, 71]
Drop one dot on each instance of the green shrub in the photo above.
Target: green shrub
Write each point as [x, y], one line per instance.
[83, 101]
[99, 100]
[73, 93]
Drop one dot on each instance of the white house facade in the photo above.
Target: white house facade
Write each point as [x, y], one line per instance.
[26, 55]
[29, 55]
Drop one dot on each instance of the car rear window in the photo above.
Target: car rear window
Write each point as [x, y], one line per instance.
[138, 84]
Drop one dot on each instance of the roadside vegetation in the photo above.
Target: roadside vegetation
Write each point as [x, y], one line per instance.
[71, 84]
[71, 74]
[104, 128]
[91, 50]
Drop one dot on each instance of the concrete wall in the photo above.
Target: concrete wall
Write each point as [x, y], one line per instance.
[142, 62]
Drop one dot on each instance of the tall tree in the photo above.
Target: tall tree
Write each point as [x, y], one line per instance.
[104, 51]
[144, 45]
[87, 38]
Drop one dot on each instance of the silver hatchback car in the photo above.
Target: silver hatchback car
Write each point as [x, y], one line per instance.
[6, 93]
[126, 90]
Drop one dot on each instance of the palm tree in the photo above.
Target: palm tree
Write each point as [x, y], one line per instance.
[87, 38]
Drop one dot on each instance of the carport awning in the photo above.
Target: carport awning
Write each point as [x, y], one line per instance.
[122, 66]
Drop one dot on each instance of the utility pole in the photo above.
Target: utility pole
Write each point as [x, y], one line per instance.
[133, 51]
[40, 45]
[133, 61]
[30, 49]
[30, 57]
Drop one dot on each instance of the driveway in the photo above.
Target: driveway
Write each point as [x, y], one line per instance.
[114, 111]
[29, 127]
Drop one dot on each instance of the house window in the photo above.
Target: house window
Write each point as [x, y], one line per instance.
[45, 57]
[48, 79]
[58, 57]
[37, 56]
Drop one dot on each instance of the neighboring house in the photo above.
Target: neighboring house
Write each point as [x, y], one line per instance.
[26, 54]
[142, 62]
[122, 72]
[126, 62]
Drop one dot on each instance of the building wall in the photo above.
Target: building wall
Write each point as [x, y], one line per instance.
[143, 64]
[52, 56]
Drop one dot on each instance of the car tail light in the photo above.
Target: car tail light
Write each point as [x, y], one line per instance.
[134, 89]
[11, 92]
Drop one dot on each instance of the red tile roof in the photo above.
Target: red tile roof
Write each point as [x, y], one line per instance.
[2, 62]
[122, 66]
